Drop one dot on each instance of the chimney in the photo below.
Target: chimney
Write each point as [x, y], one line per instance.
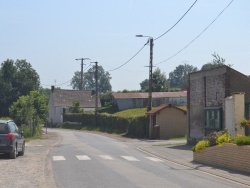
[52, 88]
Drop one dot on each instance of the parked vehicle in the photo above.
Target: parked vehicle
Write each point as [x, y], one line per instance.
[12, 139]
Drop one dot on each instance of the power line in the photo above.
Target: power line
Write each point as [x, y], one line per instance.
[154, 39]
[197, 35]
[130, 58]
[57, 84]
[176, 22]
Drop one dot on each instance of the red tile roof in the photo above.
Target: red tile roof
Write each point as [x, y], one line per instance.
[161, 107]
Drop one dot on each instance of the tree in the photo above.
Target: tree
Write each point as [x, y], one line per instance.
[76, 80]
[89, 80]
[216, 62]
[28, 108]
[178, 77]
[76, 107]
[16, 79]
[159, 82]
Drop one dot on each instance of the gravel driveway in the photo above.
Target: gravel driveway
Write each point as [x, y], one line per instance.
[33, 169]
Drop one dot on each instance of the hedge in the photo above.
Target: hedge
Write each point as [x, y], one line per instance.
[133, 127]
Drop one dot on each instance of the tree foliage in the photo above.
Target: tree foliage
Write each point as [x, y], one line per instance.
[89, 80]
[32, 107]
[159, 82]
[216, 62]
[178, 77]
[76, 107]
[16, 79]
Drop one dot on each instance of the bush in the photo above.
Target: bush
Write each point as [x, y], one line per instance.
[225, 138]
[201, 145]
[132, 126]
[242, 140]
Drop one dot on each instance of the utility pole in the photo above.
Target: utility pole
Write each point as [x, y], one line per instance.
[151, 43]
[151, 40]
[96, 87]
[81, 86]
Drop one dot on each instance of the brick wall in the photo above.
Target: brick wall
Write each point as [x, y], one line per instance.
[228, 156]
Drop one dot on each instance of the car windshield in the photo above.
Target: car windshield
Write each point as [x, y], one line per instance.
[4, 128]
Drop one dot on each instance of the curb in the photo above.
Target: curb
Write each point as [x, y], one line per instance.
[197, 166]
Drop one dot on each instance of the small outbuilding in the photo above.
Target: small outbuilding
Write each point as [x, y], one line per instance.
[167, 121]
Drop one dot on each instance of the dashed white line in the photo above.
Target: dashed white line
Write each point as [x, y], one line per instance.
[154, 159]
[107, 157]
[130, 158]
[58, 158]
[83, 157]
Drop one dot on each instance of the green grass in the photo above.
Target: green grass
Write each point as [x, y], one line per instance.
[131, 112]
[183, 107]
[137, 112]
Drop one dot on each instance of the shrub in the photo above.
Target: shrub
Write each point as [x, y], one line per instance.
[242, 140]
[201, 145]
[225, 138]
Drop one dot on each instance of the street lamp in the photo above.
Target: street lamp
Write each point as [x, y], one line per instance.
[81, 87]
[151, 40]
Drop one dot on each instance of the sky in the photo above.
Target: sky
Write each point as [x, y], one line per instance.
[50, 35]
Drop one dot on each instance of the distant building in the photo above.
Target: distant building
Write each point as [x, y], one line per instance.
[60, 100]
[140, 100]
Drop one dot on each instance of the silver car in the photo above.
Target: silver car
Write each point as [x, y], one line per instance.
[12, 139]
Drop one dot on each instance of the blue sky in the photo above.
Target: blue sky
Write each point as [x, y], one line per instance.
[52, 34]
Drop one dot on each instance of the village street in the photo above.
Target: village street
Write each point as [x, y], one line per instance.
[66, 158]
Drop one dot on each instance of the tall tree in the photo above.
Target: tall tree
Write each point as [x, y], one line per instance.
[89, 80]
[16, 79]
[178, 77]
[216, 62]
[159, 82]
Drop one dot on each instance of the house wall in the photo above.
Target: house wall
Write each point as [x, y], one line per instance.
[176, 101]
[238, 83]
[206, 89]
[172, 123]
[209, 89]
[234, 113]
[124, 104]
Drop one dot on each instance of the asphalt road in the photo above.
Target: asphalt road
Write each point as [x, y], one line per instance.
[84, 159]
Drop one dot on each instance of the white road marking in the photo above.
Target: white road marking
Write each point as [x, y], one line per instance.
[58, 158]
[154, 159]
[130, 158]
[83, 157]
[107, 157]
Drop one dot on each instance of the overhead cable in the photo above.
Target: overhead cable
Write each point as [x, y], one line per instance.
[197, 35]
[177, 21]
[130, 58]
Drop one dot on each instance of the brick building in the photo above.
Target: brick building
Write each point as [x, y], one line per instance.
[207, 90]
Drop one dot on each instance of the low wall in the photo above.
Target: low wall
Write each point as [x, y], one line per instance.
[228, 156]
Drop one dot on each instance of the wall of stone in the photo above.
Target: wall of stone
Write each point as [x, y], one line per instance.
[228, 156]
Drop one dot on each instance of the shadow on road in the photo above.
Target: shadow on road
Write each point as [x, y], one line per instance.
[181, 147]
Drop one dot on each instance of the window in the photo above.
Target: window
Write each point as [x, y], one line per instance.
[213, 118]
